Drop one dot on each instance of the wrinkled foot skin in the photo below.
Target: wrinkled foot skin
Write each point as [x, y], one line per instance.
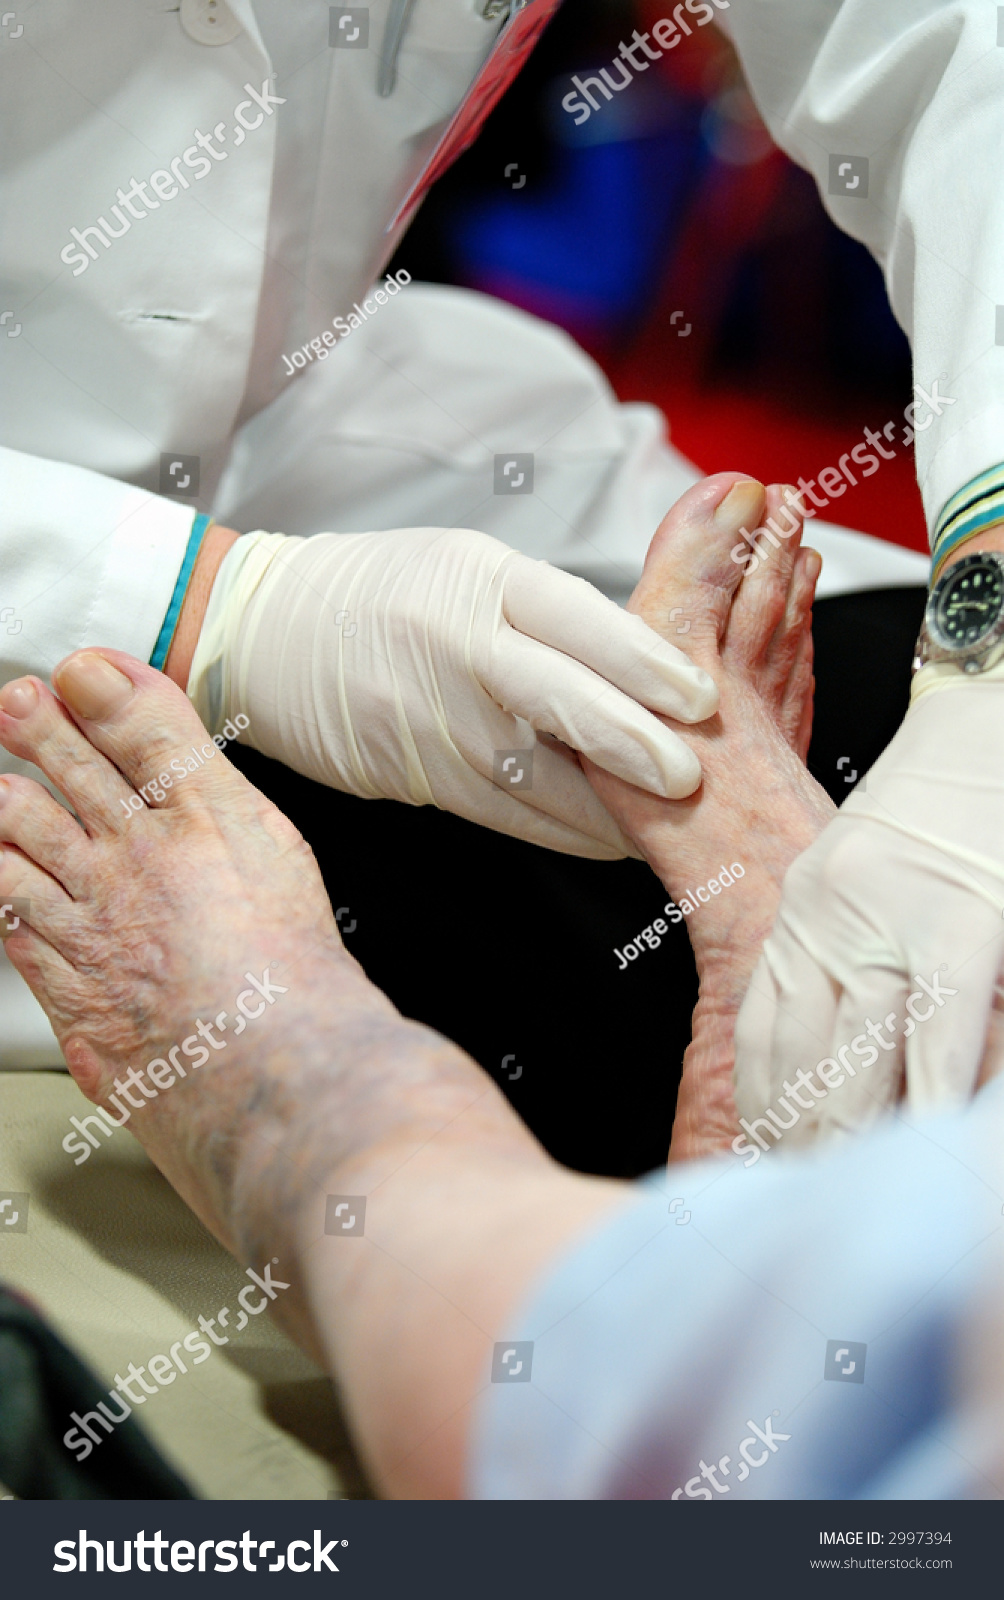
[757, 804]
[142, 922]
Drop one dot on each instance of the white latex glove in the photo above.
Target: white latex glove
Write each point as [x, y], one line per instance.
[395, 665]
[893, 917]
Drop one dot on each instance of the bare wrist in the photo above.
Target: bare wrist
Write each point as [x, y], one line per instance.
[215, 545]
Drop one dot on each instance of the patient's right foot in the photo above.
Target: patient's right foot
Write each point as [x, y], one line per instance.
[191, 914]
[757, 804]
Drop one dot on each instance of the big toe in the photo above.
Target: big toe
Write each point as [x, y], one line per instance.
[696, 561]
[146, 727]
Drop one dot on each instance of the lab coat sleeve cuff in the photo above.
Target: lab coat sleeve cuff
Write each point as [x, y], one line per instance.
[978, 505]
[87, 560]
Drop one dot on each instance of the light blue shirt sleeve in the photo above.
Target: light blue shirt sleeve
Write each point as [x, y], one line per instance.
[793, 1329]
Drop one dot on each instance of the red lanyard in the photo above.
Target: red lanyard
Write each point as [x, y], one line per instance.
[507, 57]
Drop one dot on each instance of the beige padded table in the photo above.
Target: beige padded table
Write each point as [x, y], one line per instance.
[122, 1270]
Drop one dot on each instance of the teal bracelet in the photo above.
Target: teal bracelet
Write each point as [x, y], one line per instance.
[166, 635]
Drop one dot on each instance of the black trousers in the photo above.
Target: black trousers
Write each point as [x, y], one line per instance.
[508, 949]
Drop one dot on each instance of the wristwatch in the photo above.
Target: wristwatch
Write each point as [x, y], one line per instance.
[964, 620]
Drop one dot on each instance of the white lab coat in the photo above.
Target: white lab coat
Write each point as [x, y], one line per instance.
[917, 88]
[170, 340]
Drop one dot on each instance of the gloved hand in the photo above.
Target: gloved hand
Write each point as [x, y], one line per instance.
[884, 962]
[395, 665]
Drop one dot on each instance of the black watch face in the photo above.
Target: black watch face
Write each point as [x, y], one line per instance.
[970, 604]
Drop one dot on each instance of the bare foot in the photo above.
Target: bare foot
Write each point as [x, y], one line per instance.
[203, 906]
[757, 805]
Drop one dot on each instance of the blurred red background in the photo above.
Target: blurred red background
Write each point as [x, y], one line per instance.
[689, 256]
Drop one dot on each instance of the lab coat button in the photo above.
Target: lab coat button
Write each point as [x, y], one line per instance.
[209, 21]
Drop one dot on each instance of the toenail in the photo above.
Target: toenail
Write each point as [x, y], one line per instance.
[19, 699]
[742, 505]
[4, 791]
[92, 687]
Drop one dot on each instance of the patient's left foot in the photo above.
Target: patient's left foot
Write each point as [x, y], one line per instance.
[757, 804]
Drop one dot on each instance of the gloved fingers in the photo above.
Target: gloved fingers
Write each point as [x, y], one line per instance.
[867, 1053]
[526, 770]
[569, 615]
[496, 770]
[807, 998]
[561, 789]
[482, 801]
[948, 1027]
[558, 695]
